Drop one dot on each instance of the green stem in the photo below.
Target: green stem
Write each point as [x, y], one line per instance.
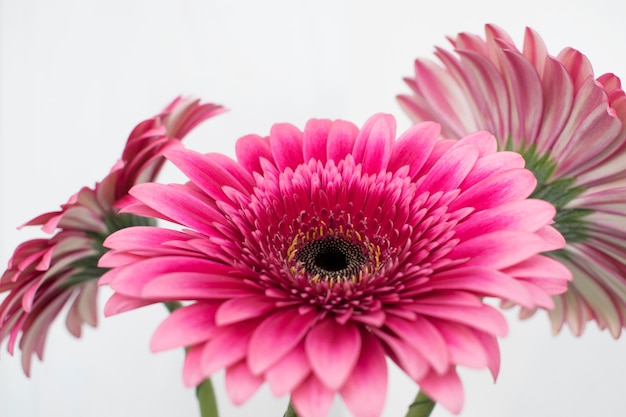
[206, 399]
[290, 411]
[422, 406]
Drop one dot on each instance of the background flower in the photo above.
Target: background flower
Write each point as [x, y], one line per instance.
[569, 126]
[318, 253]
[46, 274]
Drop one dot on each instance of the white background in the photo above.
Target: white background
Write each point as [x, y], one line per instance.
[76, 76]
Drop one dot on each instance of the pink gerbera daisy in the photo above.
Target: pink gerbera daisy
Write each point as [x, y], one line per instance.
[318, 253]
[46, 274]
[569, 126]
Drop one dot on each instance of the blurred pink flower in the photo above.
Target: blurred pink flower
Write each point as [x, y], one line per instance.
[317, 254]
[46, 274]
[570, 129]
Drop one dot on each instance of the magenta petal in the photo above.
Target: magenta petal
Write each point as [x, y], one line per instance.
[445, 389]
[192, 368]
[499, 249]
[483, 317]
[333, 350]
[465, 348]
[178, 205]
[424, 337]
[365, 391]
[194, 285]
[211, 172]
[241, 384]
[404, 355]
[227, 347]
[373, 145]
[509, 185]
[314, 139]
[312, 398]
[288, 372]
[119, 303]
[528, 215]
[485, 282]
[341, 140]
[251, 149]
[413, 147]
[286, 143]
[276, 336]
[131, 279]
[239, 309]
[490, 345]
[186, 326]
[450, 170]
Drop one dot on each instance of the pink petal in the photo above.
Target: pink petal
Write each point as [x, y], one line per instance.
[450, 170]
[179, 205]
[509, 185]
[528, 215]
[195, 286]
[365, 390]
[229, 346]
[333, 350]
[210, 172]
[424, 337]
[241, 384]
[373, 145]
[276, 336]
[445, 389]
[465, 348]
[131, 279]
[312, 398]
[119, 303]
[499, 249]
[314, 139]
[192, 368]
[286, 374]
[250, 150]
[484, 318]
[404, 355]
[490, 345]
[341, 140]
[413, 147]
[243, 308]
[286, 143]
[186, 326]
[483, 281]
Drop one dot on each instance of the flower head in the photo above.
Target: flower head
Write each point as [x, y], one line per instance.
[320, 252]
[570, 128]
[46, 274]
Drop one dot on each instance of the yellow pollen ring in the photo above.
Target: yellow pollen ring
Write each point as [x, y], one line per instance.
[372, 251]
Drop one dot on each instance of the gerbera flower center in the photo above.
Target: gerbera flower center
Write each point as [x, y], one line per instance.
[332, 258]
